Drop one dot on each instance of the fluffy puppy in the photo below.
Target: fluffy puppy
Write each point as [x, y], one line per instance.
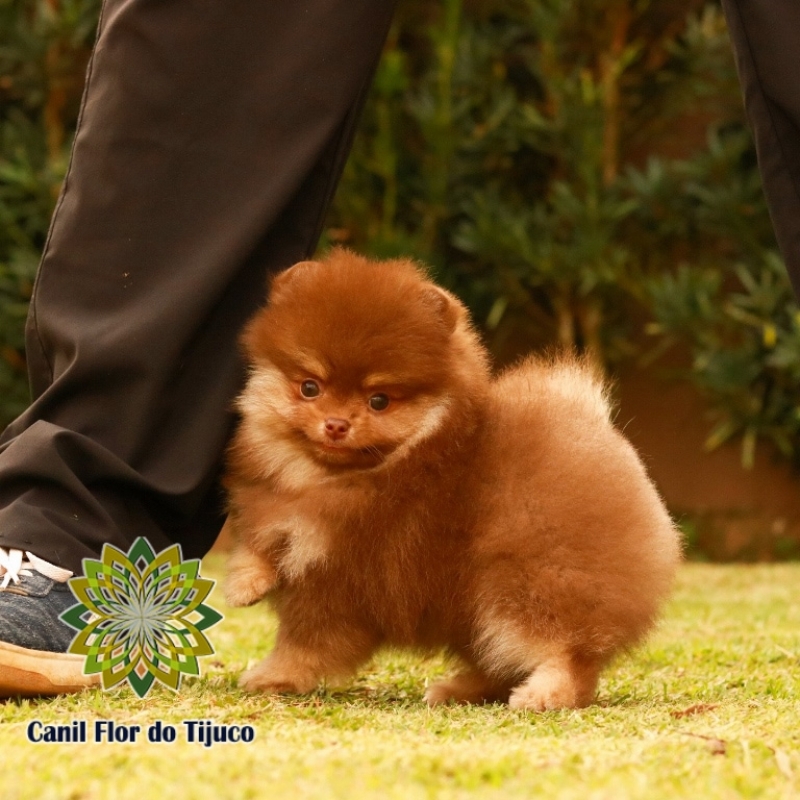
[386, 490]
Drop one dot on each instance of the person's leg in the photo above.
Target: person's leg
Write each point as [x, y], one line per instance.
[766, 42]
[210, 141]
[209, 144]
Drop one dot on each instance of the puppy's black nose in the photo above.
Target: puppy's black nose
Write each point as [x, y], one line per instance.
[336, 428]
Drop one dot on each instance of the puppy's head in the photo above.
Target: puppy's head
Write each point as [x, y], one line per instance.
[353, 361]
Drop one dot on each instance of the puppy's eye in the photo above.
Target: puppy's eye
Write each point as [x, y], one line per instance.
[309, 389]
[378, 402]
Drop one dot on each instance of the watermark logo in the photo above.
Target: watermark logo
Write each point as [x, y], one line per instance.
[140, 617]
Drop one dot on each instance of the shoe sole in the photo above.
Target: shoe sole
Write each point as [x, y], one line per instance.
[33, 673]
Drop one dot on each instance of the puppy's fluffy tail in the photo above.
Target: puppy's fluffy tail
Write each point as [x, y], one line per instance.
[570, 380]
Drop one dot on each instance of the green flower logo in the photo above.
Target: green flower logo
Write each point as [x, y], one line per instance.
[140, 617]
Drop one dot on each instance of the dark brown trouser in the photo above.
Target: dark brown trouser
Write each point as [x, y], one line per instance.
[766, 43]
[210, 141]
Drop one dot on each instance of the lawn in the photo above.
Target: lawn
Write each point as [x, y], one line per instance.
[707, 709]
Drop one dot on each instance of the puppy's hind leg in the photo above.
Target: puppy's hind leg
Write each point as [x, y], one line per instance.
[470, 686]
[561, 680]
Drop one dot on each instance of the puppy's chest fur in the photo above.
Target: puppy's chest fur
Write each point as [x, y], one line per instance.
[387, 559]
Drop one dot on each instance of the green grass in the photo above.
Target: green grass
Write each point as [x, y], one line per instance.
[707, 709]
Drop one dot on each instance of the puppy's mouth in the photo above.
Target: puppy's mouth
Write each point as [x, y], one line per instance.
[350, 456]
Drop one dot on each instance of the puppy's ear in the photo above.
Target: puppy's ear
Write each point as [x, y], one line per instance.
[252, 337]
[285, 278]
[448, 306]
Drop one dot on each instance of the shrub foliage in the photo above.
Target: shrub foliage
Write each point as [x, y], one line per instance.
[577, 170]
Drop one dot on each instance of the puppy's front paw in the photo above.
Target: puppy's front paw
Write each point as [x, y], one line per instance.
[247, 584]
[265, 678]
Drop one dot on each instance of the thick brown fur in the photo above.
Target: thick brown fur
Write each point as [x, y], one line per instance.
[504, 519]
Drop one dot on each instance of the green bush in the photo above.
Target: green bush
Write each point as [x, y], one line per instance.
[541, 155]
[44, 48]
[527, 150]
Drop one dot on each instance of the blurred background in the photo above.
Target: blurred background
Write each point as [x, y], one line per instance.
[578, 171]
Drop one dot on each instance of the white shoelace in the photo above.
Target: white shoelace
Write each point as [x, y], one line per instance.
[12, 565]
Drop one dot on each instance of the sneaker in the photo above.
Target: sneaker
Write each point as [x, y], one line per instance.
[33, 640]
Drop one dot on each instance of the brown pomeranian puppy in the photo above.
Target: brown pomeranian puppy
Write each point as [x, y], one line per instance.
[386, 490]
